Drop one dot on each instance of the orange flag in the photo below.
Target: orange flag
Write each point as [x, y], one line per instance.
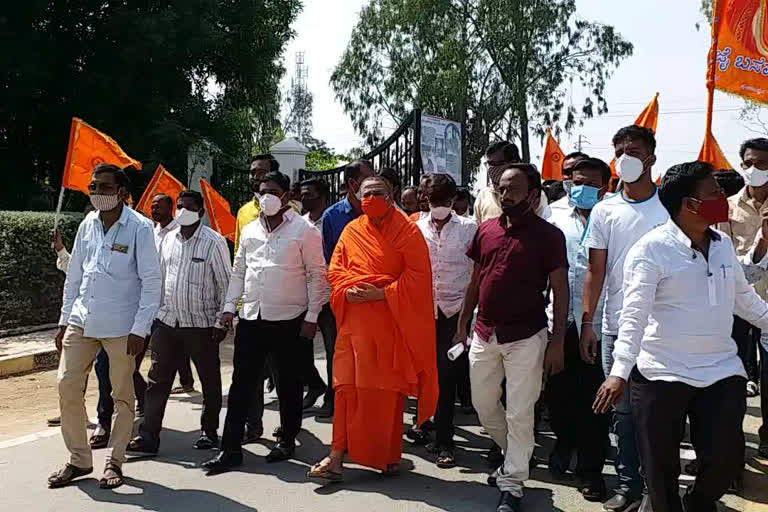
[711, 152]
[552, 161]
[87, 148]
[739, 50]
[218, 210]
[162, 182]
[648, 118]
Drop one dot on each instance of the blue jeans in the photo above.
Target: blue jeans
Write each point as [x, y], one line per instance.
[627, 458]
[106, 407]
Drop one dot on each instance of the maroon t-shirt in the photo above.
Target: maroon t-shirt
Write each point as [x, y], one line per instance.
[515, 264]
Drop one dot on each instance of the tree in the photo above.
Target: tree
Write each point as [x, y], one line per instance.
[321, 157]
[158, 76]
[500, 67]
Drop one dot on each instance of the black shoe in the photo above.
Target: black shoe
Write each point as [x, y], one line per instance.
[620, 503]
[762, 450]
[493, 477]
[593, 489]
[558, 465]
[207, 442]
[222, 463]
[325, 411]
[311, 398]
[140, 447]
[278, 433]
[691, 468]
[417, 435]
[281, 452]
[508, 503]
[252, 434]
[690, 505]
[495, 457]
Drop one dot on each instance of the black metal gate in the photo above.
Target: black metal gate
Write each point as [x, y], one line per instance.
[401, 151]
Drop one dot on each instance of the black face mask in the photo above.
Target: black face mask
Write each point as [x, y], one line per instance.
[516, 210]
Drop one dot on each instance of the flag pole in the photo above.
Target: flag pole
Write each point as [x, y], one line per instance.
[58, 208]
[712, 66]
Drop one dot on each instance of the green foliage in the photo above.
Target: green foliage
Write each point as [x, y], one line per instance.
[30, 285]
[500, 67]
[158, 76]
[321, 157]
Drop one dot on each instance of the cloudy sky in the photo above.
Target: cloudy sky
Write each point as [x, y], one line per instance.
[670, 57]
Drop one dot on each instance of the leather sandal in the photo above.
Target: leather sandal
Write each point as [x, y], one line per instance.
[111, 482]
[98, 441]
[322, 471]
[65, 475]
[445, 459]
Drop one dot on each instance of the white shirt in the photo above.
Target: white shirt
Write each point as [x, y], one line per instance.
[279, 274]
[195, 274]
[678, 309]
[62, 259]
[564, 203]
[162, 232]
[568, 220]
[451, 268]
[316, 223]
[616, 224]
[113, 279]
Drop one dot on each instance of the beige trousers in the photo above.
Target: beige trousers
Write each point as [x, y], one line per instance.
[77, 356]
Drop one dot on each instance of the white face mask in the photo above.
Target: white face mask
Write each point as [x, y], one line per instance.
[270, 204]
[359, 192]
[104, 202]
[755, 177]
[440, 212]
[186, 217]
[629, 168]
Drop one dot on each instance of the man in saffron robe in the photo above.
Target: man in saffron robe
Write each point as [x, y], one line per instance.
[381, 294]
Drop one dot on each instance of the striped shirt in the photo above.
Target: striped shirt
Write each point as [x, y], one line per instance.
[195, 274]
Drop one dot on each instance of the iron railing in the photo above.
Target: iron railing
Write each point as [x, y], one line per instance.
[401, 151]
[232, 183]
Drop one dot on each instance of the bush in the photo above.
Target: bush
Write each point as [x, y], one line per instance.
[30, 285]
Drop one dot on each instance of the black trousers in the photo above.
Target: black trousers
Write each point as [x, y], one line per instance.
[254, 341]
[716, 414]
[327, 325]
[747, 338]
[170, 347]
[463, 385]
[185, 374]
[570, 395]
[447, 372]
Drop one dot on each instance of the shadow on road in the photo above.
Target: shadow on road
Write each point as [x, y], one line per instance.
[156, 497]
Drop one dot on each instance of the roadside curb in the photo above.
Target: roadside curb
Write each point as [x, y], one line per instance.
[23, 363]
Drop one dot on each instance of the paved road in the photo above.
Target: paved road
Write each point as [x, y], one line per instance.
[172, 481]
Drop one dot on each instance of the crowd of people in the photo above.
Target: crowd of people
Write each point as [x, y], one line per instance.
[614, 304]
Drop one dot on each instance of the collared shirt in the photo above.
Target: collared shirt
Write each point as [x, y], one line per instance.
[487, 206]
[279, 274]
[564, 203]
[62, 259]
[615, 225]
[678, 309]
[195, 274]
[743, 227]
[316, 223]
[162, 232]
[568, 220]
[113, 280]
[451, 268]
[515, 263]
[333, 221]
[245, 215]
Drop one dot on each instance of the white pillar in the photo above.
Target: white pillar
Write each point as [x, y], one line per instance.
[199, 165]
[292, 156]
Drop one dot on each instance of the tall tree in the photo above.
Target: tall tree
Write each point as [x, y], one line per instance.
[157, 75]
[500, 67]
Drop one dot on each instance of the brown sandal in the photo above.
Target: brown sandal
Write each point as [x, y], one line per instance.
[111, 482]
[98, 441]
[65, 475]
[321, 471]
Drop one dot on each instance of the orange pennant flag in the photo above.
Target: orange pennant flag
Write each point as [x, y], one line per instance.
[87, 148]
[648, 118]
[162, 182]
[552, 161]
[739, 51]
[219, 213]
[711, 152]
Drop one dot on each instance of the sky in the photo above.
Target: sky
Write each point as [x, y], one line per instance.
[670, 57]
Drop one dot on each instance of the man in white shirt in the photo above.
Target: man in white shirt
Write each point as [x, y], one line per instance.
[280, 275]
[682, 285]
[110, 298]
[569, 163]
[615, 225]
[195, 268]
[448, 237]
[571, 392]
[498, 157]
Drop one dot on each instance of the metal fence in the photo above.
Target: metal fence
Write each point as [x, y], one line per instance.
[232, 183]
[401, 151]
